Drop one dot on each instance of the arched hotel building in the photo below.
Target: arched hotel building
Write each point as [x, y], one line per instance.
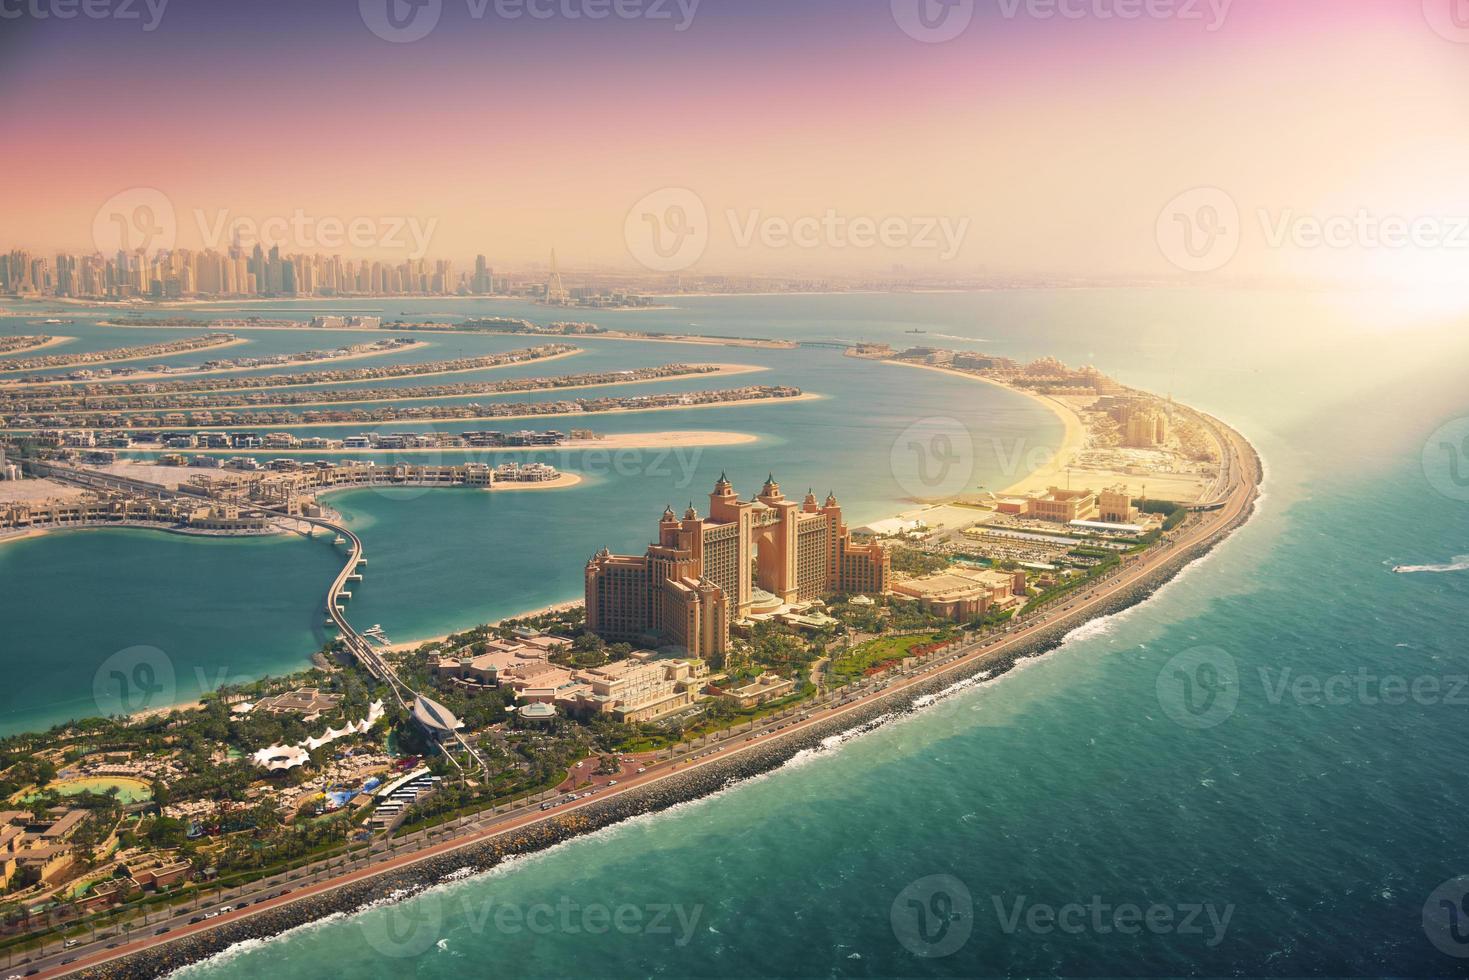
[705, 572]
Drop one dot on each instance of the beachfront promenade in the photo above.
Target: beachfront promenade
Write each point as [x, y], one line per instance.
[722, 756]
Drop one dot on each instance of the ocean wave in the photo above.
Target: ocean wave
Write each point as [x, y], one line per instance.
[1460, 563]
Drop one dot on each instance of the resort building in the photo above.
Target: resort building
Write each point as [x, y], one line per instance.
[1114, 506]
[1064, 506]
[706, 572]
[962, 593]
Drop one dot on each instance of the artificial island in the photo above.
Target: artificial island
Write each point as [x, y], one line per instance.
[749, 629]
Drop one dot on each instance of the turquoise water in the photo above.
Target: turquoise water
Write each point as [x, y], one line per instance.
[1312, 826]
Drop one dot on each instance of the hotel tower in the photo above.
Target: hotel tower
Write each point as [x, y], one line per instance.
[745, 556]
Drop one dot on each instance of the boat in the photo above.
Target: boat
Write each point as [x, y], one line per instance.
[1399, 569]
[916, 330]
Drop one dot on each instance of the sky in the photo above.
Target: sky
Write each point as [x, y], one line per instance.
[1089, 139]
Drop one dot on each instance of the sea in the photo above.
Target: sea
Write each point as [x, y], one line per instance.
[1257, 772]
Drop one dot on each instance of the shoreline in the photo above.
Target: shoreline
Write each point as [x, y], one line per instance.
[111, 361]
[6, 537]
[721, 371]
[1073, 438]
[673, 439]
[705, 339]
[156, 375]
[377, 423]
[26, 351]
[427, 863]
[321, 384]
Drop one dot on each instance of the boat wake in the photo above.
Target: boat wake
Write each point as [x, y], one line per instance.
[1459, 564]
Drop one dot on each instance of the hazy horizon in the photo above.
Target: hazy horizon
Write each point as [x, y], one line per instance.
[814, 138]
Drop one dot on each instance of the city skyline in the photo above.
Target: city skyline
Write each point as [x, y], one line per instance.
[1187, 106]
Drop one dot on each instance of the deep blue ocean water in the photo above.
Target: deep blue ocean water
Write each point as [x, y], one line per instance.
[1073, 817]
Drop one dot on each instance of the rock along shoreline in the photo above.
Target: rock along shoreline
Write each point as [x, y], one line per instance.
[679, 787]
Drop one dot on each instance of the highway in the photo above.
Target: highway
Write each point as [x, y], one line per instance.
[1240, 477]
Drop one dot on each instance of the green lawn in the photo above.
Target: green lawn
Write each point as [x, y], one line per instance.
[852, 667]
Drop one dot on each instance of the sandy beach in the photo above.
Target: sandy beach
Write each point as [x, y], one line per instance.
[518, 419]
[27, 351]
[560, 483]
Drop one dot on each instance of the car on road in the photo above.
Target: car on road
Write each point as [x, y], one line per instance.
[71, 944]
[611, 782]
[642, 769]
[161, 930]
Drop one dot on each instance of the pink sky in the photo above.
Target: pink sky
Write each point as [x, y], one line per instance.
[1058, 140]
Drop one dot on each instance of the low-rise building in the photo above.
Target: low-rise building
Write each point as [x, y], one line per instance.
[963, 593]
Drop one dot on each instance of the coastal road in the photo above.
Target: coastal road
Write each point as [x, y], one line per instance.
[1242, 476]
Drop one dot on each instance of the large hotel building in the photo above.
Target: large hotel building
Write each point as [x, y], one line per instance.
[706, 572]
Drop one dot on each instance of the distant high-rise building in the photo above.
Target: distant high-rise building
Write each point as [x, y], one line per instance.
[555, 291]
